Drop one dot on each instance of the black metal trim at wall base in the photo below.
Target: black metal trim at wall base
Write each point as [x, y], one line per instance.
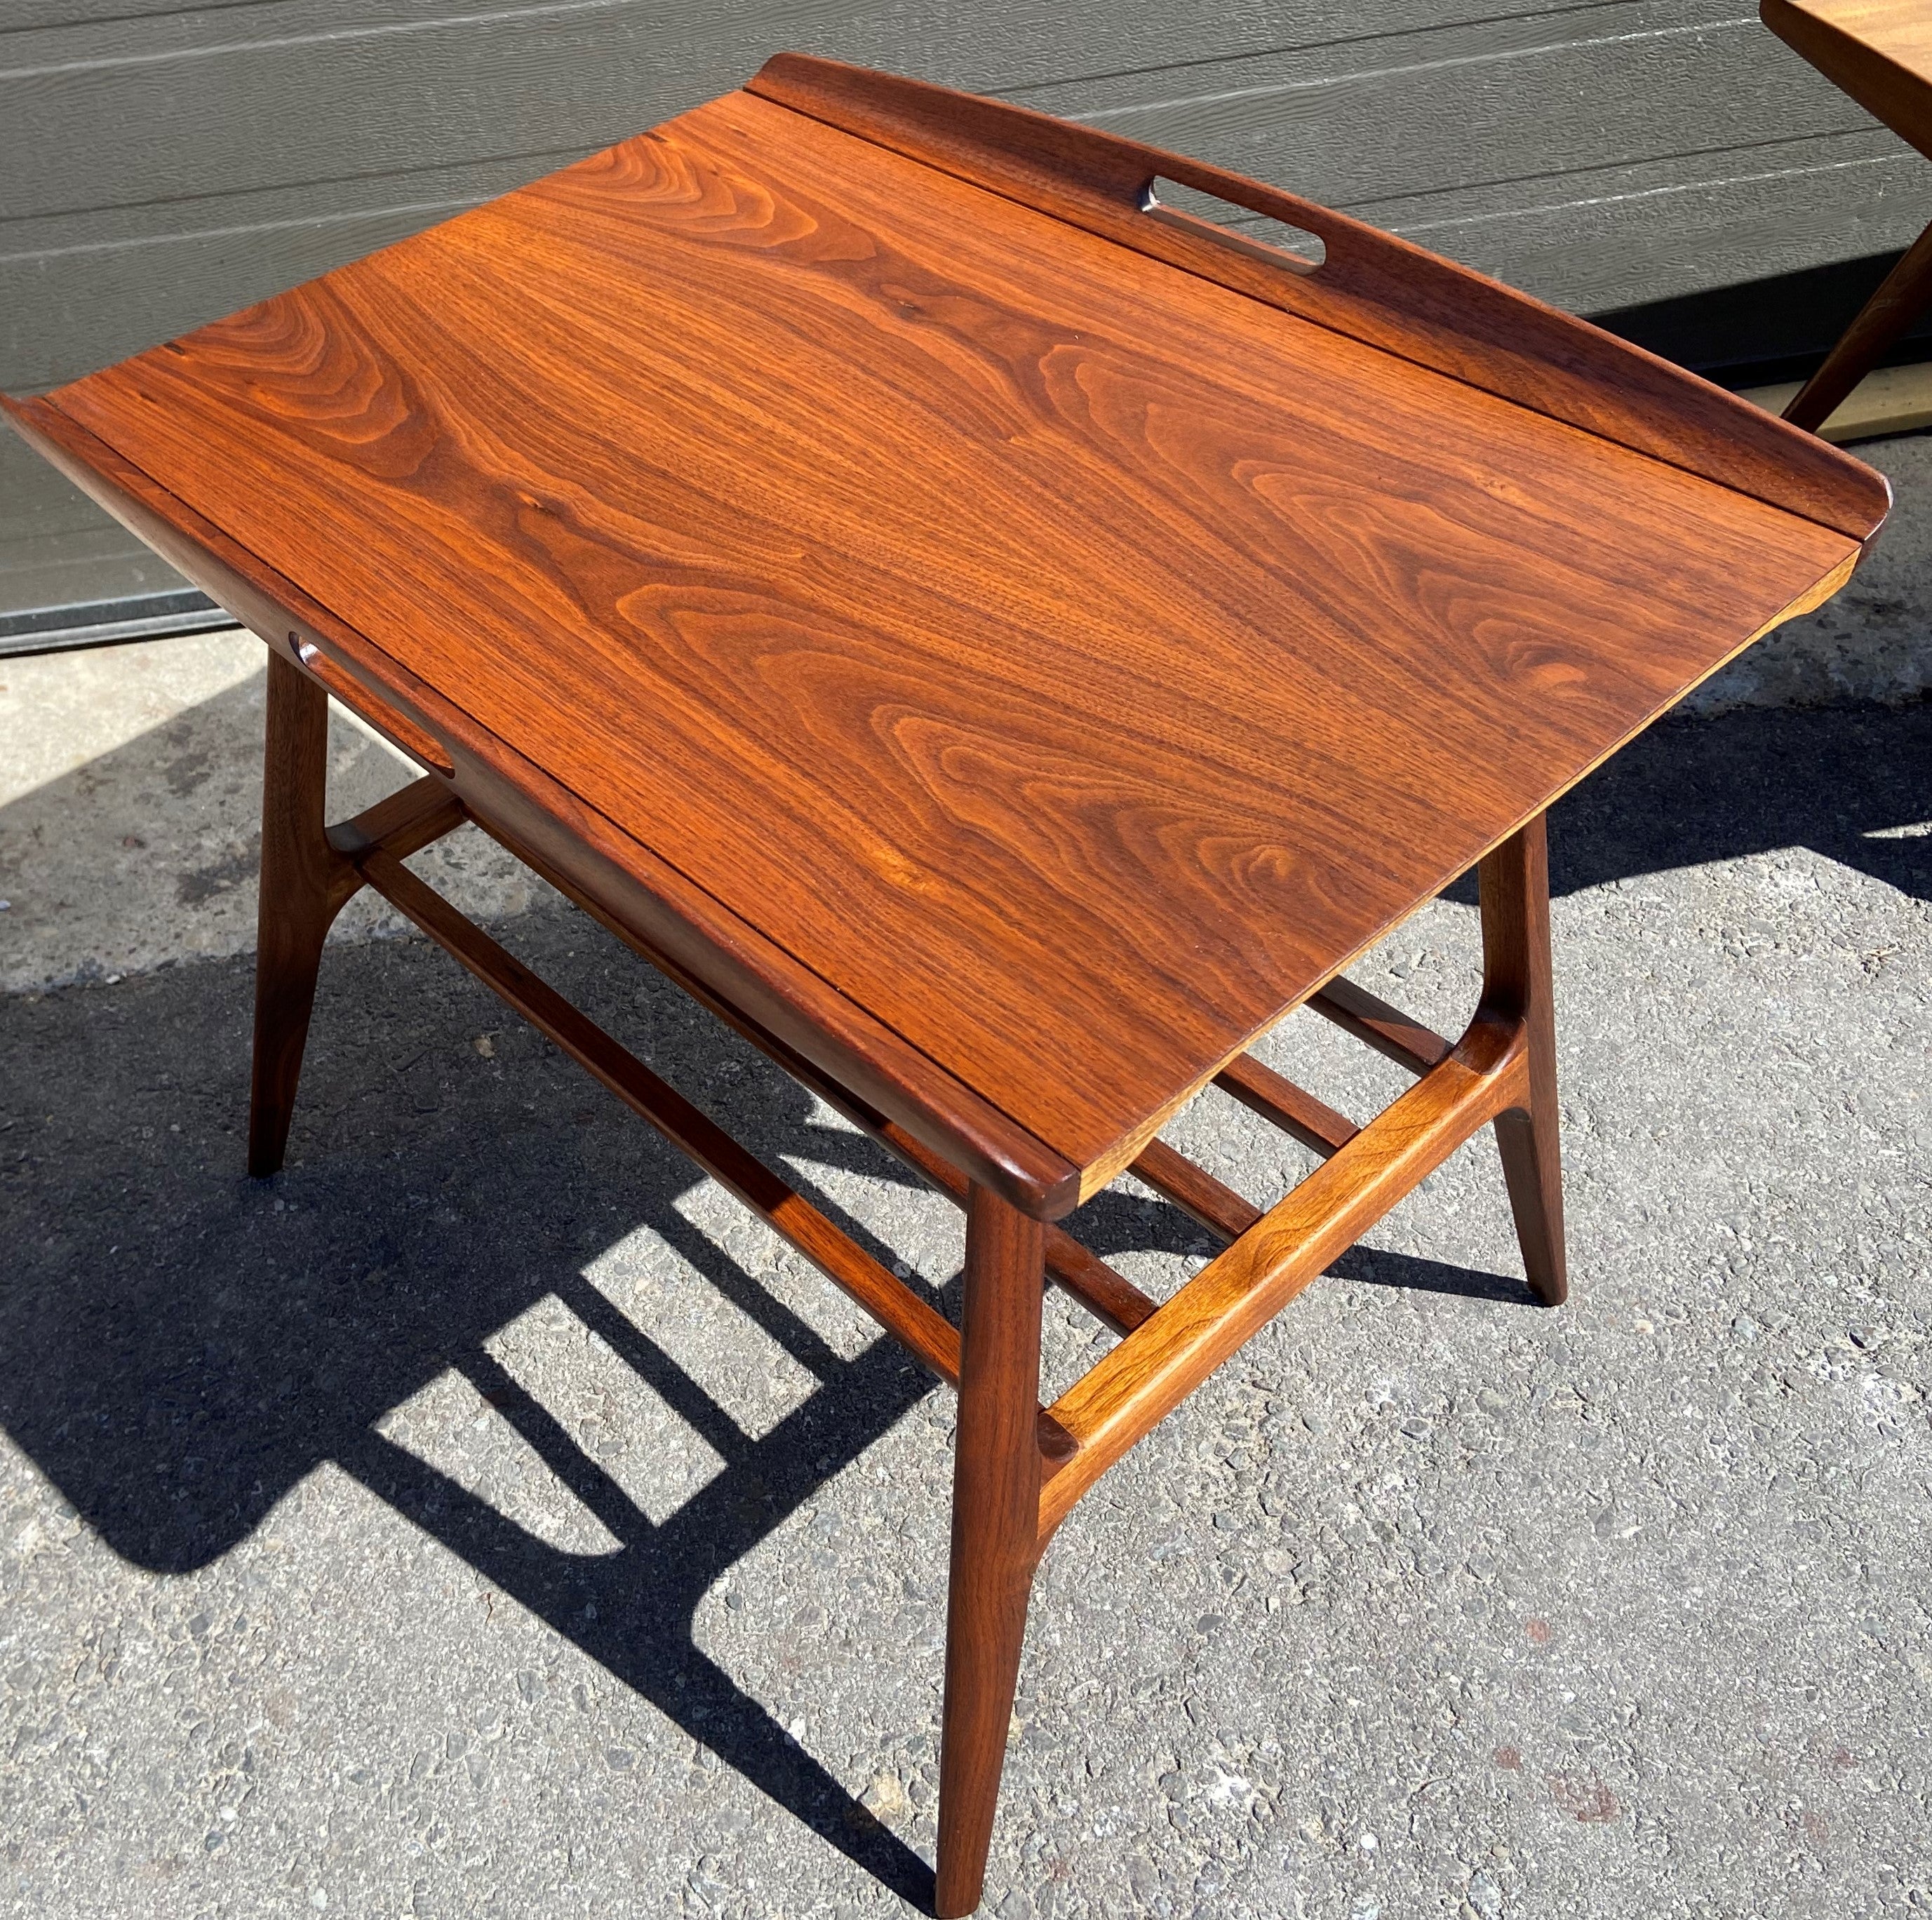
[101, 622]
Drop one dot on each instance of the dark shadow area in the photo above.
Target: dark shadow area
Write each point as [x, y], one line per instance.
[1757, 332]
[1843, 781]
[1114, 1222]
[180, 1346]
[1369, 1266]
[183, 1345]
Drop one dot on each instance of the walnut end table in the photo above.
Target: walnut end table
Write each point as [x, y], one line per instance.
[1879, 51]
[1000, 642]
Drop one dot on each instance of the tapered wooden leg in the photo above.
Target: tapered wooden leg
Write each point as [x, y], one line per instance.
[297, 865]
[995, 1522]
[1900, 299]
[1514, 884]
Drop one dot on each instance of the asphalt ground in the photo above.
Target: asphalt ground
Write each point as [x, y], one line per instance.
[486, 1516]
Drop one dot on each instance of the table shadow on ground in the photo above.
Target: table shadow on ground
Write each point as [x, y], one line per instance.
[182, 1346]
[1850, 783]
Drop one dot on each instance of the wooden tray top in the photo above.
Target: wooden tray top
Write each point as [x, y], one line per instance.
[1025, 640]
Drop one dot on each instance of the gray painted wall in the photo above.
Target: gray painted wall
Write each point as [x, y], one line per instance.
[161, 166]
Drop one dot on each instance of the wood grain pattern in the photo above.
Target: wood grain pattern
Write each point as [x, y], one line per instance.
[999, 660]
[308, 151]
[164, 171]
[89, 290]
[1017, 633]
[1503, 1069]
[1373, 286]
[577, 850]
[1077, 1270]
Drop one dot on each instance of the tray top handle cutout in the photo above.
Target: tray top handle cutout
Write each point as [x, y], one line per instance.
[1259, 235]
[421, 747]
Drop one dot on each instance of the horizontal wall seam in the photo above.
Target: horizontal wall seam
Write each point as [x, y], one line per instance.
[1497, 58]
